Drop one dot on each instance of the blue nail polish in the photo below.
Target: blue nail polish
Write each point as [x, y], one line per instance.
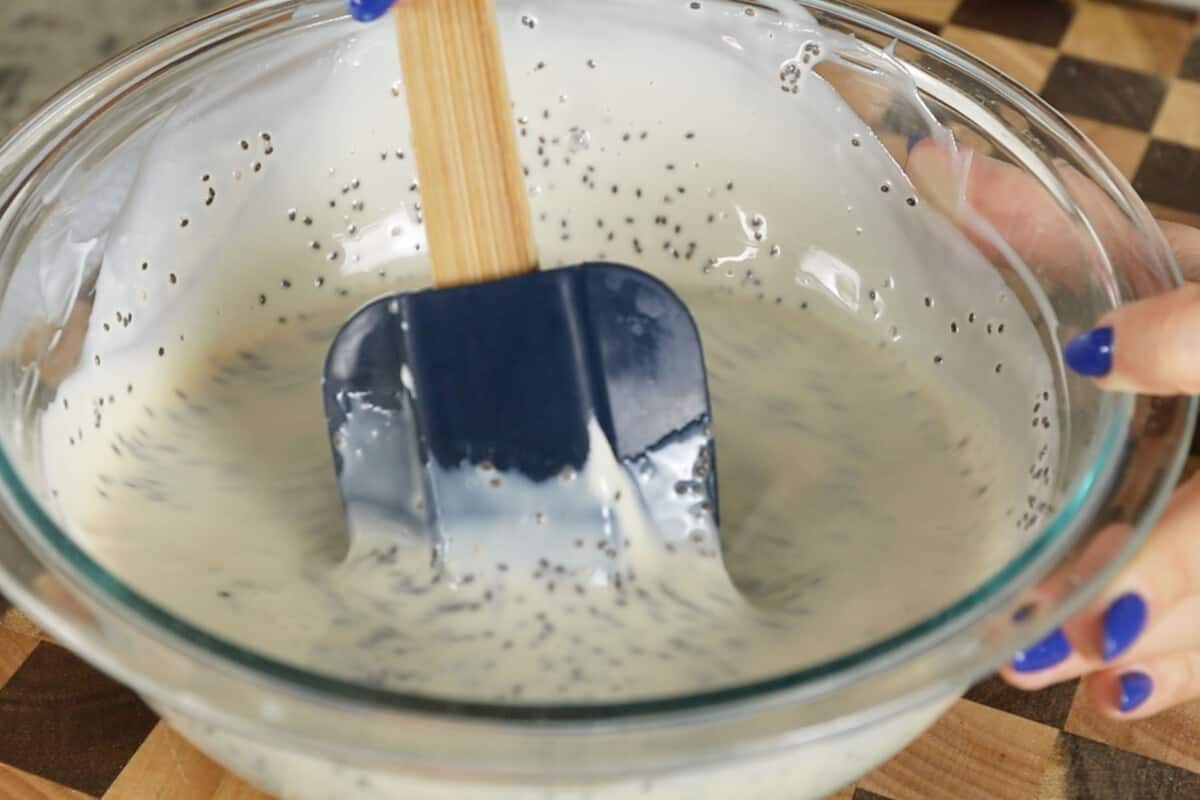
[1091, 353]
[1123, 623]
[368, 10]
[1135, 688]
[915, 139]
[1049, 652]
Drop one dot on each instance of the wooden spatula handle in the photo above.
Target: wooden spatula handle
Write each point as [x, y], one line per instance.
[472, 187]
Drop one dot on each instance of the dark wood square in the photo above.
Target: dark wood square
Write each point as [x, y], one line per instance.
[1050, 706]
[1094, 771]
[65, 722]
[1190, 69]
[1170, 176]
[12, 80]
[1038, 21]
[863, 794]
[923, 24]
[1105, 93]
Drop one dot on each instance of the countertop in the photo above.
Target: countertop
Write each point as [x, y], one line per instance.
[1128, 75]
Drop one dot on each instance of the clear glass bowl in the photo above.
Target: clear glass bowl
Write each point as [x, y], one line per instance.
[307, 733]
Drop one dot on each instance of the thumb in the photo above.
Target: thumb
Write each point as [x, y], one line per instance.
[1151, 346]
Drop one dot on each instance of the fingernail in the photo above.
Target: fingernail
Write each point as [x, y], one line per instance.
[1123, 623]
[1135, 688]
[1091, 353]
[368, 10]
[1024, 613]
[1049, 652]
[915, 139]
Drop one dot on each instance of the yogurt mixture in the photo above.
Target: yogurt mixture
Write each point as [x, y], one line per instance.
[872, 404]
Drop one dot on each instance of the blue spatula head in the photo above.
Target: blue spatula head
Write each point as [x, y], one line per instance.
[514, 377]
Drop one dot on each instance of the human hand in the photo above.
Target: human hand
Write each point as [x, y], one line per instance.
[1138, 642]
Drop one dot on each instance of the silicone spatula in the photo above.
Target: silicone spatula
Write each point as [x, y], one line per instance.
[502, 369]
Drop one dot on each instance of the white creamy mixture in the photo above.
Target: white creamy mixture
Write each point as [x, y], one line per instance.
[872, 407]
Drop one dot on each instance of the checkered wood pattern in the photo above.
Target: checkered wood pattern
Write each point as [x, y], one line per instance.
[1127, 74]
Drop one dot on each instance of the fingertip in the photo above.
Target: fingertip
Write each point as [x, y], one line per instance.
[1049, 652]
[1025, 681]
[1124, 621]
[1135, 689]
[1091, 353]
[1123, 694]
[1151, 349]
[1036, 681]
[368, 10]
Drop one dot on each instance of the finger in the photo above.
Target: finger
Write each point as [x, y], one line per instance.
[1163, 574]
[971, 189]
[1054, 658]
[1175, 632]
[997, 204]
[1185, 244]
[1140, 614]
[1151, 346]
[1147, 688]
[1050, 661]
